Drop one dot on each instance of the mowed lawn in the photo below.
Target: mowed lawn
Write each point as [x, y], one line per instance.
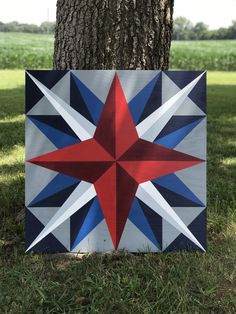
[121, 283]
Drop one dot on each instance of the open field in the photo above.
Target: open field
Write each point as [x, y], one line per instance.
[34, 51]
[121, 283]
[208, 54]
[25, 51]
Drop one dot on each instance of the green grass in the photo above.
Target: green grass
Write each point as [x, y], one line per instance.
[121, 283]
[201, 55]
[34, 51]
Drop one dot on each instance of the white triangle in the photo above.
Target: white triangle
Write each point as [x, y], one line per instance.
[61, 89]
[187, 215]
[133, 240]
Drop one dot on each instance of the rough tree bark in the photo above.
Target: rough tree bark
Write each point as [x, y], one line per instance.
[113, 34]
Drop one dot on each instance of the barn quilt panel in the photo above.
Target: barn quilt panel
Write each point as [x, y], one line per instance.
[115, 160]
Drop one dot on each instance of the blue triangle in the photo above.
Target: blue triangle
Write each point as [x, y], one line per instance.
[58, 184]
[93, 218]
[138, 103]
[57, 137]
[137, 217]
[174, 184]
[173, 139]
[93, 103]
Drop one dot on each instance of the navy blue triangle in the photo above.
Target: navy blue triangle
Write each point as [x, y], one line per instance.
[47, 77]
[56, 122]
[177, 122]
[174, 199]
[154, 101]
[55, 200]
[154, 220]
[77, 220]
[172, 183]
[198, 93]
[198, 229]
[32, 229]
[182, 78]
[77, 101]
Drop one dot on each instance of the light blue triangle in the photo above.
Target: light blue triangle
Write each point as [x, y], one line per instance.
[137, 217]
[93, 218]
[174, 138]
[174, 184]
[59, 183]
[93, 103]
[57, 137]
[138, 103]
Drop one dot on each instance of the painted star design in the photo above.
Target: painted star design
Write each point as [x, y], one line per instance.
[116, 161]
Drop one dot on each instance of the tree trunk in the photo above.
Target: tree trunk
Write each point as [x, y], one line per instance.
[113, 34]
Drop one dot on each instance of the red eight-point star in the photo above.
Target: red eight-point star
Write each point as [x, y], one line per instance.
[116, 161]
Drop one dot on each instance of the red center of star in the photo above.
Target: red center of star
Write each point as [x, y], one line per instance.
[116, 161]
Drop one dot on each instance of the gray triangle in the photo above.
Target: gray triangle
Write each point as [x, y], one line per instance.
[169, 88]
[187, 215]
[189, 108]
[195, 179]
[36, 179]
[98, 81]
[36, 142]
[194, 143]
[98, 240]
[133, 240]
[133, 82]
[61, 233]
[61, 89]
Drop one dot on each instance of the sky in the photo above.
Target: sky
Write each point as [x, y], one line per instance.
[215, 13]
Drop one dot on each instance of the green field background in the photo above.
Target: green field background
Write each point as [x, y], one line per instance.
[34, 51]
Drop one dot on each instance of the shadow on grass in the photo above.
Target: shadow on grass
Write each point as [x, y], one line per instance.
[12, 133]
[11, 102]
[11, 124]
